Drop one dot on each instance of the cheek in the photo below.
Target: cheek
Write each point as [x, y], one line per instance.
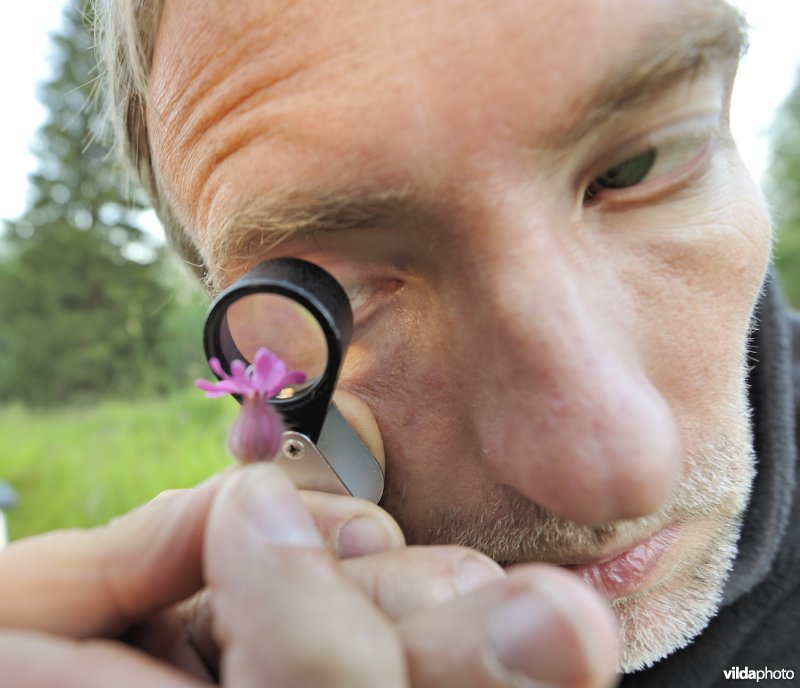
[410, 370]
[692, 288]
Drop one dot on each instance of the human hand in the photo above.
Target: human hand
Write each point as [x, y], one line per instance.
[283, 605]
[285, 608]
[63, 592]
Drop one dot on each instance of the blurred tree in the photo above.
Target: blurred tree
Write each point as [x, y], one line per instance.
[83, 299]
[783, 191]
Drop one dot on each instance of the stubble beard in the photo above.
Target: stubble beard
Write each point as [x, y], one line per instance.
[653, 623]
[668, 615]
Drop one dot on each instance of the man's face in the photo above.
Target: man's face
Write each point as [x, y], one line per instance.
[551, 246]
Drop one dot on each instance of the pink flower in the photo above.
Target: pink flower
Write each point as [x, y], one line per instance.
[265, 378]
[256, 433]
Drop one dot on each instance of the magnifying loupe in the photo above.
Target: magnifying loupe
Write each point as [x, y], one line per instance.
[301, 314]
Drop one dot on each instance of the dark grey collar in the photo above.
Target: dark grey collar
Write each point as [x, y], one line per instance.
[772, 401]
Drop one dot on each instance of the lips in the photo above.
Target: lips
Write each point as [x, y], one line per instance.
[633, 569]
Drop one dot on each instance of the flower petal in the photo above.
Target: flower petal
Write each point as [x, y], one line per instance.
[238, 369]
[241, 376]
[222, 387]
[263, 361]
[216, 368]
[294, 377]
[268, 372]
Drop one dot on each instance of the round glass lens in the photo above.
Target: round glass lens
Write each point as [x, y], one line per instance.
[285, 328]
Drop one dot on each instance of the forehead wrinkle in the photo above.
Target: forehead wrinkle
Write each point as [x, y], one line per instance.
[697, 38]
[241, 90]
[226, 126]
[251, 59]
[189, 26]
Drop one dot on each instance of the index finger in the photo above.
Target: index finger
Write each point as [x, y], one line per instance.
[99, 582]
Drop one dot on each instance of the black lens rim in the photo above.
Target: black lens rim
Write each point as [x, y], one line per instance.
[322, 296]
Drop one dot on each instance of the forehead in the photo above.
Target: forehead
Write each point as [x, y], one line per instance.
[285, 86]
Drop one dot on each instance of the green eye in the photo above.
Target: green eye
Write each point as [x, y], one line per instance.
[629, 172]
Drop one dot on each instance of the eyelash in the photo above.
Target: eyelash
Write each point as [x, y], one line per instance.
[679, 153]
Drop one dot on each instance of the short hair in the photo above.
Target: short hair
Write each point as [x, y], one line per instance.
[125, 34]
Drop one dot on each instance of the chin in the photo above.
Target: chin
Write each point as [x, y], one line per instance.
[666, 617]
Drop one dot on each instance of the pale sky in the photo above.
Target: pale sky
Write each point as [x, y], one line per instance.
[765, 78]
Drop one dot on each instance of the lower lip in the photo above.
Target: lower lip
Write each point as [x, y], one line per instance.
[633, 570]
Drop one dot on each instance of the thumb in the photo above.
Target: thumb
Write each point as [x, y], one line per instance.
[284, 613]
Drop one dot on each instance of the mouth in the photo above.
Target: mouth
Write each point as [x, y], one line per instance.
[633, 569]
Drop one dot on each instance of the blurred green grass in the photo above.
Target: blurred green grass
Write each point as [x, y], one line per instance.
[80, 467]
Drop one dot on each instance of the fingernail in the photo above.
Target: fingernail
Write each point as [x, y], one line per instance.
[271, 504]
[537, 641]
[361, 536]
[475, 571]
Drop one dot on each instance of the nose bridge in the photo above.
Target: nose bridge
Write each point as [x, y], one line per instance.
[547, 333]
[540, 295]
[567, 414]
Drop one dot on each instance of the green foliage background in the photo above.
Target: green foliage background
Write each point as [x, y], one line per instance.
[93, 305]
[81, 467]
[782, 188]
[100, 341]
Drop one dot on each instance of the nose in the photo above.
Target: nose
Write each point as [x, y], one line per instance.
[566, 411]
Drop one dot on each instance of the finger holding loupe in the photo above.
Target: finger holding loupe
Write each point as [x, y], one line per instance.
[300, 313]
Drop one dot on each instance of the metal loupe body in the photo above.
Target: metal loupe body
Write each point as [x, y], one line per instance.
[302, 314]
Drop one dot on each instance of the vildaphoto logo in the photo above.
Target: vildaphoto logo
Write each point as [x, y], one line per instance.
[746, 673]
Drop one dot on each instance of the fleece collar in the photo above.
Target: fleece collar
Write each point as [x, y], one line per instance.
[772, 402]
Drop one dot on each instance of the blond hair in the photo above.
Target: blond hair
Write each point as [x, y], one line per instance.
[125, 32]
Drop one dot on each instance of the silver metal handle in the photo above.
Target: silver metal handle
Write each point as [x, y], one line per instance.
[340, 462]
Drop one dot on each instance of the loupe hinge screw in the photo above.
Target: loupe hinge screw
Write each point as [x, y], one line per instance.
[293, 449]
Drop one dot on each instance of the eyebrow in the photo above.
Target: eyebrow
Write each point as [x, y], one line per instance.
[703, 34]
[262, 224]
[700, 36]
